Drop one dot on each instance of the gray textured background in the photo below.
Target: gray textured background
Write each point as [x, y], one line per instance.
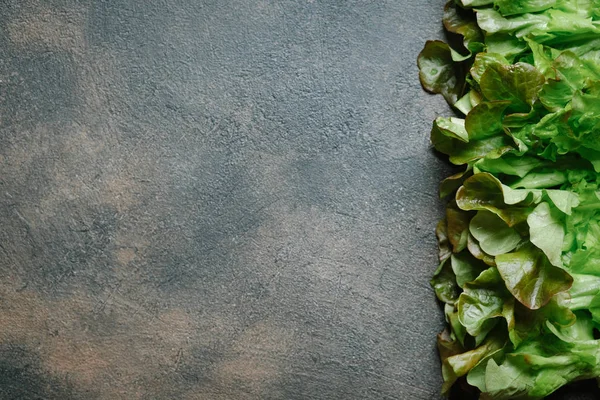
[217, 200]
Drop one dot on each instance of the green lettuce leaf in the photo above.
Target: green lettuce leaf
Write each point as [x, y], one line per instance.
[530, 277]
[437, 71]
[494, 236]
[519, 246]
[518, 83]
[546, 231]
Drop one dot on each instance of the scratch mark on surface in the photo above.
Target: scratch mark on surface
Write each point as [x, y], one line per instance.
[178, 357]
[22, 218]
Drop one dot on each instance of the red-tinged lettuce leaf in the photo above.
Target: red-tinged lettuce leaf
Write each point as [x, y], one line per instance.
[463, 22]
[521, 119]
[457, 227]
[453, 182]
[531, 278]
[478, 253]
[484, 192]
[444, 283]
[460, 364]
[439, 73]
[444, 249]
[518, 83]
[447, 345]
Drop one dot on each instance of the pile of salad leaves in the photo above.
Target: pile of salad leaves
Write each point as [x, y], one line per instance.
[519, 246]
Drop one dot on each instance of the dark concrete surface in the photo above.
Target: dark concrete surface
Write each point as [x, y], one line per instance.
[213, 199]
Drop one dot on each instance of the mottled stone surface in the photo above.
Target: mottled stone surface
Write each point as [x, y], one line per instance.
[214, 199]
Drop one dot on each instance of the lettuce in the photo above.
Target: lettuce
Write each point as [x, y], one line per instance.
[519, 271]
